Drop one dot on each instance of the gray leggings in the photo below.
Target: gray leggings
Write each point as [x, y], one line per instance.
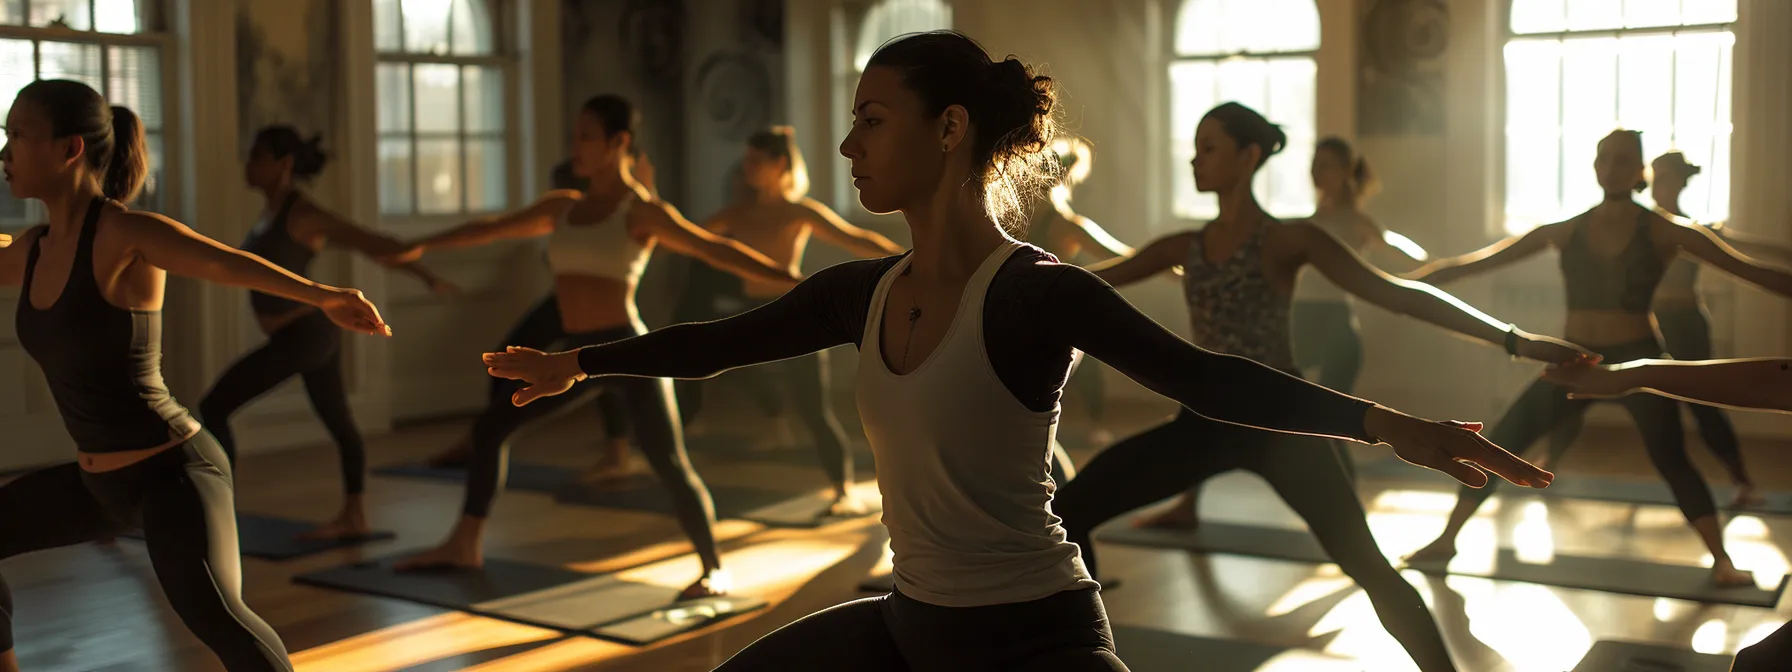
[1066, 632]
[183, 501]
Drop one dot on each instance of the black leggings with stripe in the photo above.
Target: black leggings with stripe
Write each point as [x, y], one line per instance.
[182, 500]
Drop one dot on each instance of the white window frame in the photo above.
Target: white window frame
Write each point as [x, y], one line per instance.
[1179, 169]
[506, 21]
[1505, 224]
[156, 36]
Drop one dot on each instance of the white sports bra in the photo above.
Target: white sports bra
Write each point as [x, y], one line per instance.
[603, 248]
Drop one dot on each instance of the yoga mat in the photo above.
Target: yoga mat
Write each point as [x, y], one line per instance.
[531, 476]
[808, 511]
[1215, 537]
[644, 493]
[1148, 650]
[1615, 656]
[274, 538]
[538, 595]
[1595, 488]
[1620, 575]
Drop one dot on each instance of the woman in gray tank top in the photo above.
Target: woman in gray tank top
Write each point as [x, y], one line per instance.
[1612, 259]
[964, 346]
[1238, 278]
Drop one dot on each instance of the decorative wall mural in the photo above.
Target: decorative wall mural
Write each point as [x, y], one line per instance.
[735, 92]
[653, 33]
[1400, 86]
[762, 21]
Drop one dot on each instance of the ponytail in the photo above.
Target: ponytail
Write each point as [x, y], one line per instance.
[112, 135]
[128, 166]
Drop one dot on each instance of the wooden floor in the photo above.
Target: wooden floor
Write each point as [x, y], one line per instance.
[94, 607]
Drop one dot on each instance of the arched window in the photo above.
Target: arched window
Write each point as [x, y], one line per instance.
[442, 101]
[1577, 70]
[115, 46]
[893, 18]
[1259, 53]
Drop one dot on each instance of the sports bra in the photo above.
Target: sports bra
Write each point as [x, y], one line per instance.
[602, 248]
[273, 242]
[1233, 307]
[1624, 282]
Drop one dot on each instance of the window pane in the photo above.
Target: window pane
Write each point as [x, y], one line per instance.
[392, 83]
[1193, 91]
[1533, 139]
[436, 89]
[12, 13]
[893, 18]
[1218, 27]
[120, 16]
[1651, 13]
[483, 89]
[1539, 16]
[72, 12]
[1285, 184]
[439, 183]
[65, 60]
[487, 183]
[1595, 14]
[425, 26]
[395, 175]
[16, 66]
[135, 81]
[471, 27]
[151, 198]
[385, 26]
[1695, 12]
[1643, 103]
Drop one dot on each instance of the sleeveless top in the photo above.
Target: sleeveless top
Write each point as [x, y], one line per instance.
[103, 363]
[271, 241]
[1232, 305]
[963, 465]
[603, 248]
[1682, 276]
[1310, 284]
[1624, 282]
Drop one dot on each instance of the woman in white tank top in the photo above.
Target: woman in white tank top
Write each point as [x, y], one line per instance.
[963, 348]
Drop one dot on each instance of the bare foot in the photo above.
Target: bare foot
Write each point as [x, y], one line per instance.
[847, 507]
[1178, 516]
[440, 558]
[454, 457]
[714, 584]
[1440, 552]
[1726, 575]
[343, 527]
[1747, 495]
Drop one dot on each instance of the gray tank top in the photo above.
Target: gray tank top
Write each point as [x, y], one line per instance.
[1233, 307]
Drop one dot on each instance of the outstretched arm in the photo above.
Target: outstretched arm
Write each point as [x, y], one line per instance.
[1350, 273]
[1239, 391]
[1748, 384]
[13, 251]
[679, 235]
[1488, 258]
[530, 222]
[1705, 246]
[171, 246]
[833, 230]
[382, 248]
[826, 310]
[1157, 256]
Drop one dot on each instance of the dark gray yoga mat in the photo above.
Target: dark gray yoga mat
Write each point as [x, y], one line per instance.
[539, 595]
[531, 476]
[1148, 650]
[1615, 656]
[1620, 575]
[806, 511]
[643, 492]
[1215, 537]
[1572, 486]
[275, 538]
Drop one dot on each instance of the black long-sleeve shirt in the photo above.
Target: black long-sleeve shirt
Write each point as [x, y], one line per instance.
[1036, 313]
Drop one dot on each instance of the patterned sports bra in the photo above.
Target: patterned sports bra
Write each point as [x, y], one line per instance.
[1232, 305]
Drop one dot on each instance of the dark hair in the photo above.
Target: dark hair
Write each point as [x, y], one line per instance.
[112, 135]
[1634, 138]
[282, 140]
[779, 142]
[563, 178]
[1248, 128]
[1010, 107]
[616, 114]
[1678, 162]
[1364, 183]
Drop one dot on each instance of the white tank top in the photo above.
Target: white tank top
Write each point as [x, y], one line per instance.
[603, 249]
[963, 466]
[1311, 285]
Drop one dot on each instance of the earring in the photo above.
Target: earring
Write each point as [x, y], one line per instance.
[945, 148]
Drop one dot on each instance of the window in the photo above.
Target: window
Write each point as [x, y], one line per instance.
[112, 45]
[894, 18]
[1258, 53]
[1576, 70]
[442, 103]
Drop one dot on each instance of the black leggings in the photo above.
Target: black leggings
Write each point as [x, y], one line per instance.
[1305, 471]
[1325, 338]
[654, 418]
[1066, 632]
[311, 348]
[541, 328]
[1543, 406]
[181, 498]
[1688, 338]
